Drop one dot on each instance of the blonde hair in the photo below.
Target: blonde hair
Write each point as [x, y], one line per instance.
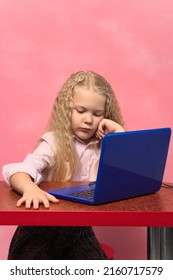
[66, 159]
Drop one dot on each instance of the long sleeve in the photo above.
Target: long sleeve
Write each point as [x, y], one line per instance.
[36, 164]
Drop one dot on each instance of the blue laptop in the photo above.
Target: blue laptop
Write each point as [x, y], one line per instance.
[131, 164]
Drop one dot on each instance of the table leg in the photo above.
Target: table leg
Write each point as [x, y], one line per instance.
[153, 243]
[160, 243]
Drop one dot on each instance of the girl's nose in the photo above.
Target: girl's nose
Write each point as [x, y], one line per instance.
[88, 118]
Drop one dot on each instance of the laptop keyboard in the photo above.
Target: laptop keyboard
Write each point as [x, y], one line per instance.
[89, 194]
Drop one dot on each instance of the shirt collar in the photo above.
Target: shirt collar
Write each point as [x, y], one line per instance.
[92, 141]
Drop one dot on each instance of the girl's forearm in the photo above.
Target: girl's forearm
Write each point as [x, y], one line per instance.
[21, 181]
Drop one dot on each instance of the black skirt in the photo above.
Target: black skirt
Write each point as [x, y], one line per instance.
[55, 243]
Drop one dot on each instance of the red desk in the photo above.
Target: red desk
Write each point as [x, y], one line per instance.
[154, 211]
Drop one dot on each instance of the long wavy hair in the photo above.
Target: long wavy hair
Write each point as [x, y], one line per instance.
[66, 159]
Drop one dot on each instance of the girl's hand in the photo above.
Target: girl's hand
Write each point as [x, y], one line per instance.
[34, 196]
[108, 126]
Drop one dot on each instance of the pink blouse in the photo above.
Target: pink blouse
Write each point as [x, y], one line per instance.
[38, 163]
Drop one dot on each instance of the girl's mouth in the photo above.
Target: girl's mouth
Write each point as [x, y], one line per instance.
[85, 129]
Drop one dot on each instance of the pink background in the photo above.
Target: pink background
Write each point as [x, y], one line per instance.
[43, 41]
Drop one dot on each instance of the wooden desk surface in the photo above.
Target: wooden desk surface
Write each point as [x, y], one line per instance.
[150, 210]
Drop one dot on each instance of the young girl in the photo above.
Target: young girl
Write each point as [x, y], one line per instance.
[85, 109]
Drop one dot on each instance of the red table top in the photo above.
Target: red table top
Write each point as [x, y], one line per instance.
[149, 210]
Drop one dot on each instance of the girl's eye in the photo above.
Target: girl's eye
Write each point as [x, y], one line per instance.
[80, 111]
[98, 114]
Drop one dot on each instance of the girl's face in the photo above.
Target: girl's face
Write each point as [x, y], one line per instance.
[88, 111]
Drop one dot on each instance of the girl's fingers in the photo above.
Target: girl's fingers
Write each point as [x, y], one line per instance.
[100, 134]
[20, 201]
[28, 203]
[52, 198]
[35, 202]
